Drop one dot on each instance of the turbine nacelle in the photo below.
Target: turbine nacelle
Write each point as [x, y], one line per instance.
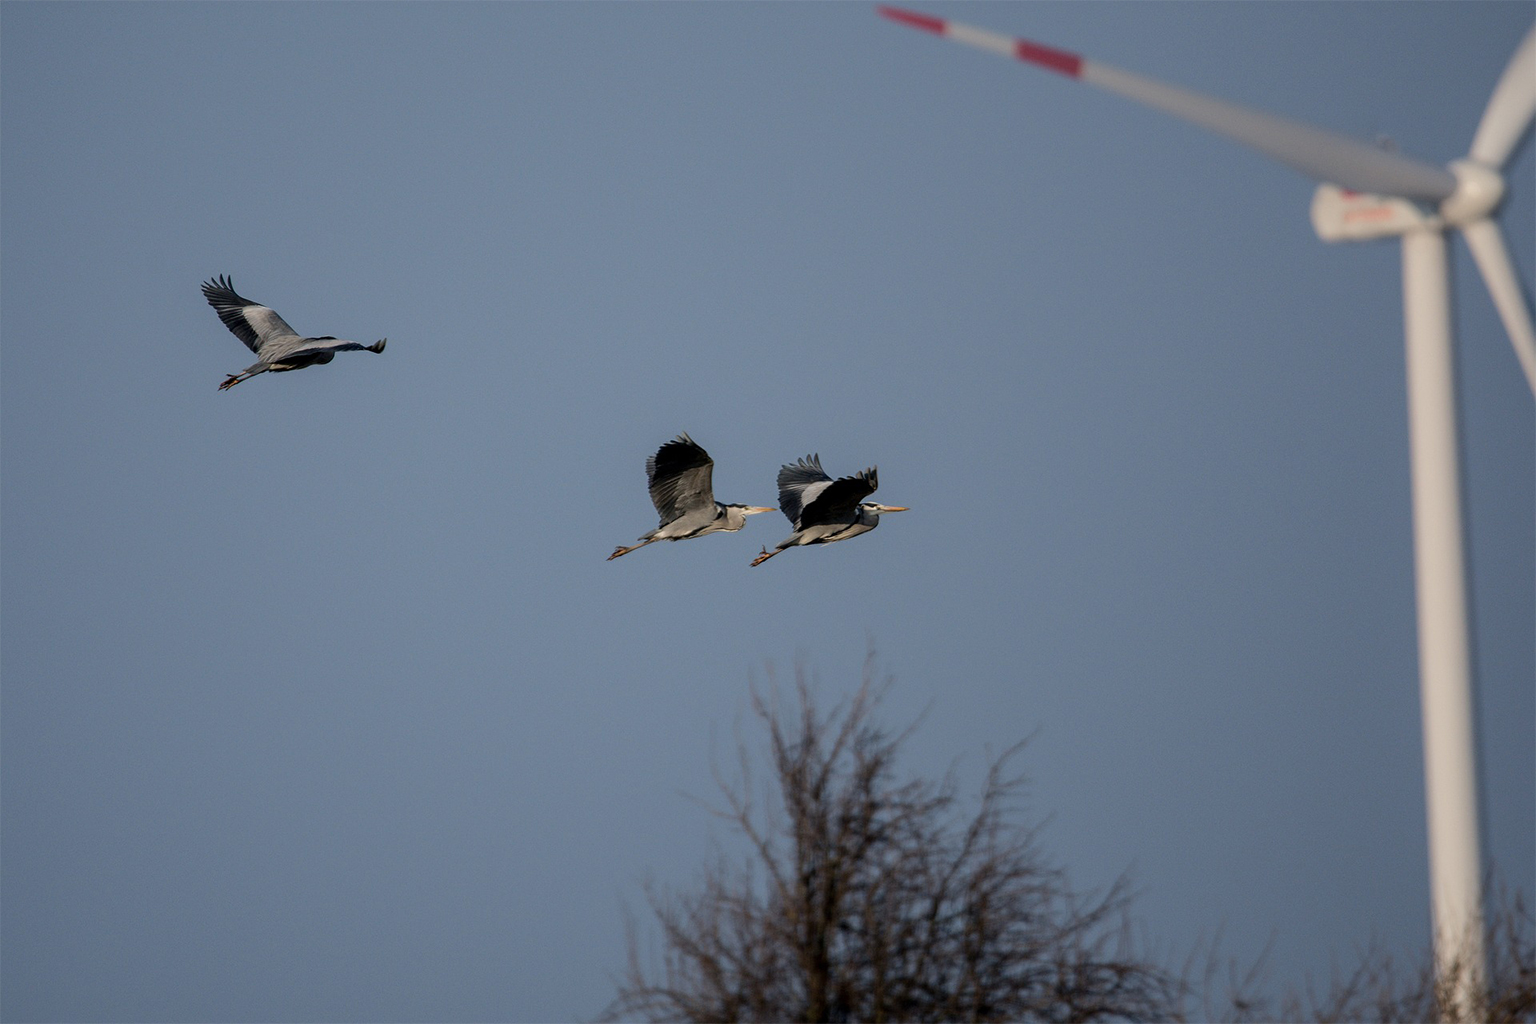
[1344, 215]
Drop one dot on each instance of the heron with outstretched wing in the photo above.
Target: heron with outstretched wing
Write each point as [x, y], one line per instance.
[278, 347]
[682, 489]
[823, 510]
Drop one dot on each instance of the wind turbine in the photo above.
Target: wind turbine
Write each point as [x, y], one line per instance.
[1368, 193]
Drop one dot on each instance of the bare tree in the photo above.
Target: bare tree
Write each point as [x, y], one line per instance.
[864, 897]
[1379, 988]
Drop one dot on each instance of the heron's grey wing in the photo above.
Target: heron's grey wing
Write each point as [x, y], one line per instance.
[314, 346]
[835, 502]
[799, 483]
[249, 321]
[681, 476]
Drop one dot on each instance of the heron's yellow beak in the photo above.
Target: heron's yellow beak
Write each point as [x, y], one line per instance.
[752, 509]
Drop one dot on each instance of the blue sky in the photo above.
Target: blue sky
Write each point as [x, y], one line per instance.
[320, 700]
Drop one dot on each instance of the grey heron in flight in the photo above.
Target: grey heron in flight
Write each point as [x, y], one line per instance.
[823, 510]
[277, 346]
[681, 489]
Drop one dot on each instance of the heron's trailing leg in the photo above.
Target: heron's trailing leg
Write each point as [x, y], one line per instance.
[760, 559]
[622, 550]
[236, 378]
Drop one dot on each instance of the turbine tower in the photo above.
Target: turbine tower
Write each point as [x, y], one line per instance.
[1368, 193]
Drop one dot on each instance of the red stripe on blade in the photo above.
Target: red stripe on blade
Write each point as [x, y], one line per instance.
[922, 21]
[1057, 60]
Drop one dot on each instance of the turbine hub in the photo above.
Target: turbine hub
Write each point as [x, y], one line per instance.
[1479, 190]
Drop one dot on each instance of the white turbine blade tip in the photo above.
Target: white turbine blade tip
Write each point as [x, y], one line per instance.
[1510, 108]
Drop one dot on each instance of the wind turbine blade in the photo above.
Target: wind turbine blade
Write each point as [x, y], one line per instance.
[1314, 152]
[1510, 108]
[1488, 250]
